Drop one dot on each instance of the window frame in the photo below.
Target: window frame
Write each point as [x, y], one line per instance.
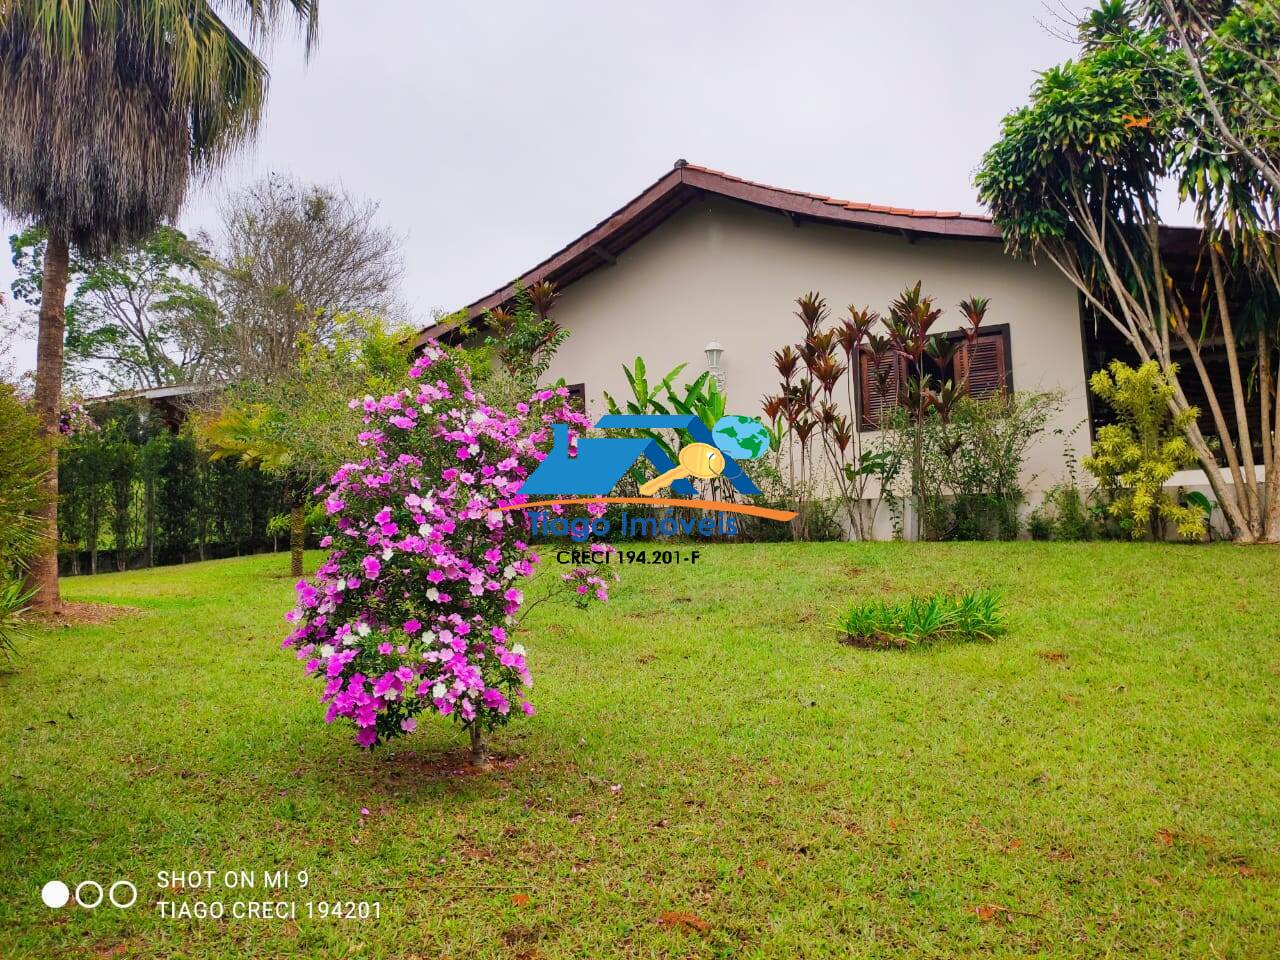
[1001, 330]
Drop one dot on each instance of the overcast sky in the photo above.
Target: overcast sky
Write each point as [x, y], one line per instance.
[493, 133]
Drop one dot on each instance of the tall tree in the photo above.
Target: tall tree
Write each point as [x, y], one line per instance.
[138, 317]
[1076, 179]
[295, 259]
[106, 110]
[1228, 103]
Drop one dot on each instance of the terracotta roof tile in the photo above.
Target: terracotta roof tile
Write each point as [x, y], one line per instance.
[847, 204]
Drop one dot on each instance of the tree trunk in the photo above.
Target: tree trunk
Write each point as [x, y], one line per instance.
[1270, 390]
[1244, 523]
[479, 749]
[92, 536]
[1253, 495]
[297, 536]
[150, 499]
[43, 576]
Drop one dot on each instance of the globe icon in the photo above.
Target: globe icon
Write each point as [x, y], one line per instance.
[742, 438]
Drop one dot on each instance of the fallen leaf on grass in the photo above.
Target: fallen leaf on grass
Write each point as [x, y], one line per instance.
[683, 920]
[991, 911]
[520, 899]
[1012, 845]
[1164, 837]
[1053, 656]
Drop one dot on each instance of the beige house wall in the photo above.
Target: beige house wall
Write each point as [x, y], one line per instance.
[726, 271]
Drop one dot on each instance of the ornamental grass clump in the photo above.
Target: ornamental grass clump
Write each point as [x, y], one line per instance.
[415, 608]
[968, 617]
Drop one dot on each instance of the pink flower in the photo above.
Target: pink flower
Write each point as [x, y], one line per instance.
[437, 461]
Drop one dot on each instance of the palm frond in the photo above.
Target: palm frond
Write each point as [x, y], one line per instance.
[107, 107]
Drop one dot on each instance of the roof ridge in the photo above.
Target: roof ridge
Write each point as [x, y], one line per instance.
[840, 202]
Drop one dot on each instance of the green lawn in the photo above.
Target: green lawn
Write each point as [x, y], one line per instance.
[1105, 780]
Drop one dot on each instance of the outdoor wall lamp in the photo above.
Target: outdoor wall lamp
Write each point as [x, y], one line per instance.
[714, 350]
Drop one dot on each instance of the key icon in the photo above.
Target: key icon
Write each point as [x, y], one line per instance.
[700, 460]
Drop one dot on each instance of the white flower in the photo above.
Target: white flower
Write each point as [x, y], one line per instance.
[388, 553]
[518, 649]
[424, 529]
[328, 650]
[433, 595]
[509, 572]
[439, 690]
[362, 629]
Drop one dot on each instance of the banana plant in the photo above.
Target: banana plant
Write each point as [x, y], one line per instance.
[644, 400]
[702, 399]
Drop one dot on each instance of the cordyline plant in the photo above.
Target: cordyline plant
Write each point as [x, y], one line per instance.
[806, 409]
[415, 608]
[1166, 90]
[526, 338]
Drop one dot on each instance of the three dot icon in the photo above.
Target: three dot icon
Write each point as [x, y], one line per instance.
[89, 894]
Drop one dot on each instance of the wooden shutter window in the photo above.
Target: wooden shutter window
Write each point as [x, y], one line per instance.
[874, 404]
[989, 367]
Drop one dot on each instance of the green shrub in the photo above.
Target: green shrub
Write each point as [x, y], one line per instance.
[24, 462]
[15, 599]
[1064, 514]
[1135, 457]
[972, 461]
[875, 623]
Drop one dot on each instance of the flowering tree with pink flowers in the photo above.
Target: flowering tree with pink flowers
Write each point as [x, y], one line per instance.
[415, 608]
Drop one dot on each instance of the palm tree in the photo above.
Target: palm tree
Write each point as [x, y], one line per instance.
[107, 110]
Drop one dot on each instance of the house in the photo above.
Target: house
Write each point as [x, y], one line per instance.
[703, 261]
[172, 404]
